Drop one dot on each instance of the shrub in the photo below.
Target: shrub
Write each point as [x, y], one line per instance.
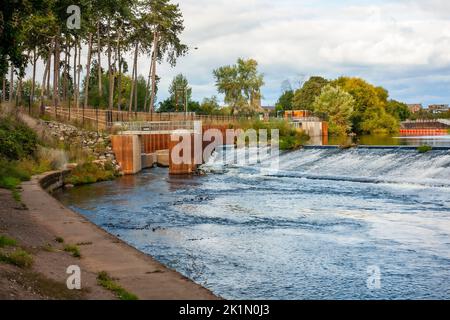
[290, 138]
[17, 141]
[90, 173]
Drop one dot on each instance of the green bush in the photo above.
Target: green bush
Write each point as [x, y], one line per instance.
[290, 138]
[90, 173]
[17, 141]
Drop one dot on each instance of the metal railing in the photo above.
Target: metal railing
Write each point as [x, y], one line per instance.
[157, 126]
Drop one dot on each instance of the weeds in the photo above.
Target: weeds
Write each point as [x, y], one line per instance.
[104, 280]
[6, 241]
[19, 258]
[90, 173]
[74, 250]
[59, 240]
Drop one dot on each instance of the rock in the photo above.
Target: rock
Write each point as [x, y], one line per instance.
[69, 186]
[71, 166]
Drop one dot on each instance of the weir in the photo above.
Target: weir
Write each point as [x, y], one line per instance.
[141, 145]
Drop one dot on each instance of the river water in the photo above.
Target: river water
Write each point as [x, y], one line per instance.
[316, 229]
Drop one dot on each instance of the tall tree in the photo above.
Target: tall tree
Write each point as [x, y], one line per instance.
[165, 21]
[180, 92]
[241, 83]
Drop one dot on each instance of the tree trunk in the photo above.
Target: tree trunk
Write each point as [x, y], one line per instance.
[33, 83]
[155, 57]
[4, 89]
[133, 78]
[99, 72]
[49, 65]
[75, 70]
[135, 87]
[110, 72]
[119, 102]
[88, 73]
[148, 84]
[65, 70]
[56, 74]
[11, 84]
[44, 89]
[19, 92]
[79, 75]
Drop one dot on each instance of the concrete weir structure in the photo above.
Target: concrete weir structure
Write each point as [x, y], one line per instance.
[141, 145]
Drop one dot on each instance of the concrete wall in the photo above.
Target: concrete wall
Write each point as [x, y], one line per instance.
[128, 152]
[182, 168]
[154, 142]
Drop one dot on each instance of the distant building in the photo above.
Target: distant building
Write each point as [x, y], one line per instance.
[269, 109]
[297, 114]
[415, 108]
[438, 108]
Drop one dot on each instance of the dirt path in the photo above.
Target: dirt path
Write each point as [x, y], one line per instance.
[100, 251]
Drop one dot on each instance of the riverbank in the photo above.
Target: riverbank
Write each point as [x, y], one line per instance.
[46, 220]
[254, 234]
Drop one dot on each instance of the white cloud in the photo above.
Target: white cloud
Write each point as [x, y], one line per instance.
[384, 41]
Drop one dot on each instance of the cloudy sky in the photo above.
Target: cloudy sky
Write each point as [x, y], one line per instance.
[403, 45]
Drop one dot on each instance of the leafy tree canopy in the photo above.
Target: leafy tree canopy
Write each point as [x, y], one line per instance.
[398, 109]
[305, 96]
[285, 101]
[370, 115]
[338, 107]
[241, 83]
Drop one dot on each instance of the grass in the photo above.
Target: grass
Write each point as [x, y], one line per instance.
[104, 280]
[73, 249]
[16, 257]
[19, 258]
[89, 173]
[6, 241]
[48, 288]
[59, 240]
[424, 149]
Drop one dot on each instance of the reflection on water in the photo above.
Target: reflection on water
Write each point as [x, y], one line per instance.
[308, 231]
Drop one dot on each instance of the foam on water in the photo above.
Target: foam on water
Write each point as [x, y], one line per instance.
[306, 231]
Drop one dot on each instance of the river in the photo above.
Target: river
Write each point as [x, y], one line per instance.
[318, 228]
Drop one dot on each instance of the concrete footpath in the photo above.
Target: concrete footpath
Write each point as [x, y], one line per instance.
[134, 270]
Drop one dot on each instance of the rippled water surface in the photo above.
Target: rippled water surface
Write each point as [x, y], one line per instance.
[307, 231]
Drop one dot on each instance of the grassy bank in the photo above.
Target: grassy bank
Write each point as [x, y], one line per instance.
[20, 154]
[89, 172]
[23, 154]
[290, 138]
